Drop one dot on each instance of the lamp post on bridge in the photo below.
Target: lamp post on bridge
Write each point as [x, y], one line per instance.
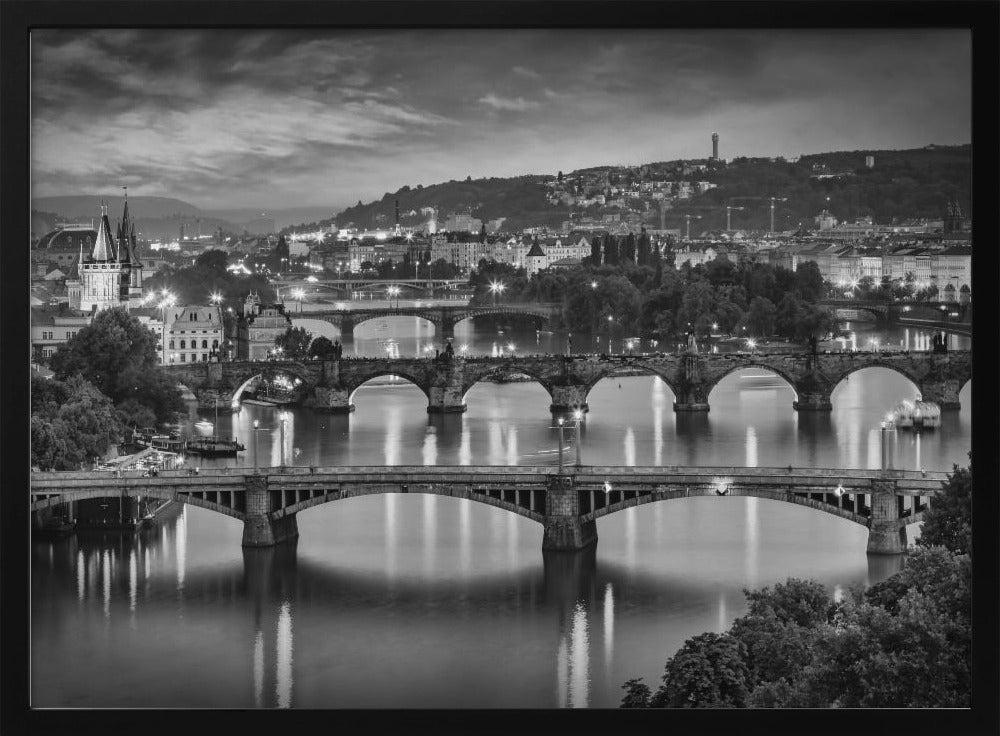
[577, 418]
[284, 418]
[256, 426]
[559, 422]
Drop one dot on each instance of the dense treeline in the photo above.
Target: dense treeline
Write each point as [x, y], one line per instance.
[905, 642]
[208, 275]
[106, 377]
[653, 301]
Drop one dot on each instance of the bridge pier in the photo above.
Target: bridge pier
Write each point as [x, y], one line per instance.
[332, 399]
[691, 393]
[885, 535]
[260, 528]
[447, 392]
[943, 393]
[568, 398]
[563, 528]
[813, 401]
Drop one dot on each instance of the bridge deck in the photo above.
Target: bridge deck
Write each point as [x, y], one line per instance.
[586, 477]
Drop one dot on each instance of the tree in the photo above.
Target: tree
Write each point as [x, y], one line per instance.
[636, 694]
[559, 177]
[595, 250]
[77, 429]
[948, 522]
[321, 348]
[759, 319]
[709, 671]
[117, 354]
[213, 260]
[294, 342]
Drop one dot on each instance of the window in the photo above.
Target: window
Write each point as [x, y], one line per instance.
[171, 344]
[204, 343]
[204, 357]
[183, 358]
[183, 344]
[215, 344]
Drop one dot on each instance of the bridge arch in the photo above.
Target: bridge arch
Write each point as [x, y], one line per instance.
[761, 365]
[511, 368]
[270, 369]
[353, 387]
[497, 500]
[612, 372]
[799, 499]
[364, 318]
[537, 315]
[145, 492]
[844, 375]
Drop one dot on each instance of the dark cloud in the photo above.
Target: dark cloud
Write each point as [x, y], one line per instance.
[279, 118]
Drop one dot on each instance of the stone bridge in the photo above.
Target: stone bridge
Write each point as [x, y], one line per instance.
[568, 379]
[886, 311]
[286, 286]
[567, 505]
[444, 318]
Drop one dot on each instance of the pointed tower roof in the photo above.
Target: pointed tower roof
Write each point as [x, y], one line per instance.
[536, 250]
[126, 236]
[104, 248]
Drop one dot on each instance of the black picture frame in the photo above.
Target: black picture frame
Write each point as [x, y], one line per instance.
[19, 17]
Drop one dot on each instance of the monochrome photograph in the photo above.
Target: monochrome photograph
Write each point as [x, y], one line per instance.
[501, 368]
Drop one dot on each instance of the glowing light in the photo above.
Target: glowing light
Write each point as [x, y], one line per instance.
[215, 298]
[464, 349]
[593, 284]
[607, 486]
[510, 347]
[578, 415]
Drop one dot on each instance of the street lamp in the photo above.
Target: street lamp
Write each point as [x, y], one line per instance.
[284, 418]
[611, 319]
[215, 298]
[559, 421]
[256, 427]
[577, 418]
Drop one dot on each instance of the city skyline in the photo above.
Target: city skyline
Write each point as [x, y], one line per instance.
[229, 118]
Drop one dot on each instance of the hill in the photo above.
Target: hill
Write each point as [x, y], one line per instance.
[903, 184]
[522, 200]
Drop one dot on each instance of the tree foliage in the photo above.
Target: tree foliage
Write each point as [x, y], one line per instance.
[117, 354]
[709, 671]
[294, 343]
[905, 642]
[72, 422]
[948, 522]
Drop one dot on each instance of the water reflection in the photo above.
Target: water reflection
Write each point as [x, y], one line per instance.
[372, 625]
[283, 687]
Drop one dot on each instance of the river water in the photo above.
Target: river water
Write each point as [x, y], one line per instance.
[407, 601]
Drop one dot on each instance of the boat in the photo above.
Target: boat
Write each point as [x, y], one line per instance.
[55, 527]
[214, 447]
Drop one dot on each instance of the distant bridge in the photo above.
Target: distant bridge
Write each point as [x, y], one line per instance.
[893, 311]
[356, 284]
[566, 504]
[443, 317]
[329, 385]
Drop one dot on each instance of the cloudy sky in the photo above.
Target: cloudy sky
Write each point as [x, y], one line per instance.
[291, 118]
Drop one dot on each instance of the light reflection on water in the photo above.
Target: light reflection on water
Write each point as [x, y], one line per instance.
[416, 600]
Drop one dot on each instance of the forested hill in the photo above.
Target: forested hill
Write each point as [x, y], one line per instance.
[902, 184]
[520, 199]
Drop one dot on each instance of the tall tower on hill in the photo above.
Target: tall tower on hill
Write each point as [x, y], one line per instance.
[715, 146]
